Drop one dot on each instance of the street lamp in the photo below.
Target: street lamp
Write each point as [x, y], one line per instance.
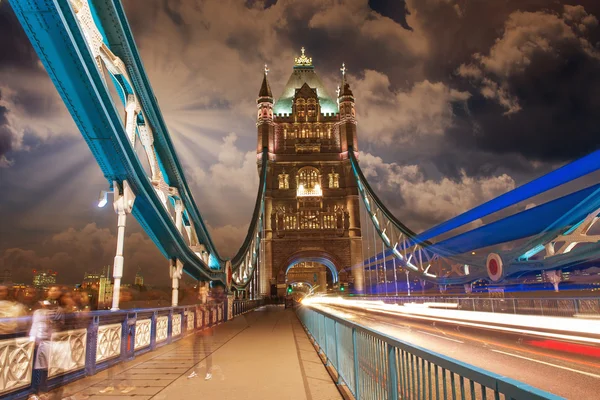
[103, 199]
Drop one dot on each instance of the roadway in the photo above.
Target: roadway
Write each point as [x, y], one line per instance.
[569, 370]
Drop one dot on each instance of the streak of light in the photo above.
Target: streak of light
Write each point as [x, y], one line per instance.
[550, 364]
[441, 337]
[573, 329]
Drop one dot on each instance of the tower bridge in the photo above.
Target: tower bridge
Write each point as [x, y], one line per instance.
[311, 196]
[316, 222]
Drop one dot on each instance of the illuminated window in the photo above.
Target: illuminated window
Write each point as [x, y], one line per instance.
[289, 221]
[334, 179]
[308, 182]
[284, 180]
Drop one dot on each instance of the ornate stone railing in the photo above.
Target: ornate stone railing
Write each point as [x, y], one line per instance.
[102, 339]
[16, 360]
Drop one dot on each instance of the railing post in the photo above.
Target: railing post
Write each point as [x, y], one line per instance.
[356, 367]
[337, 351]
[153, 321]
[392, 373]
[91, 344]
[128, 345]
[170, 326]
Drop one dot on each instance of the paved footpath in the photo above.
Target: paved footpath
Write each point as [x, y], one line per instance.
[262, 355]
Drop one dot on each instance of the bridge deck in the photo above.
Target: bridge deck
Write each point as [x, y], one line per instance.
[262, 355]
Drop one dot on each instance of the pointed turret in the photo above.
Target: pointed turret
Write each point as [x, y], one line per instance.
[264, 120]
[347, 114]
[265, 88]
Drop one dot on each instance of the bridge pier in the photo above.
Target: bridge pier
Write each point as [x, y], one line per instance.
[123, 204]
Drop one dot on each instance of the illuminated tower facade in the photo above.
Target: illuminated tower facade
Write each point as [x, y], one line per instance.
[312, 204]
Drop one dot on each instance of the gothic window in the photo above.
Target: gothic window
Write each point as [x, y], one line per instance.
[289, 221]
[312, 110]
[328, 133]
[284, 180]
[308, 177]
[334, 179]
[284, 133]
[300, 107]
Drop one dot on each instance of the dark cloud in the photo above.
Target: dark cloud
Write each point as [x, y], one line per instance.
[394, 9]
[15, 49]
[537, 91]
[6, 134]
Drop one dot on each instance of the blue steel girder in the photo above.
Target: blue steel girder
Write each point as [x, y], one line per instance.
[57, 39]
[119, 38]
[546, 223]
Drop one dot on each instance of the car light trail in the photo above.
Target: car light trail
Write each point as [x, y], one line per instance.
[571, 329]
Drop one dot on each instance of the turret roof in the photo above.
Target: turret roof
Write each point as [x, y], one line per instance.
[265, 89]
[304, 73]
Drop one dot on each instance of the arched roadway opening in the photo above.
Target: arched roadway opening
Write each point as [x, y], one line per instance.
[316, 256]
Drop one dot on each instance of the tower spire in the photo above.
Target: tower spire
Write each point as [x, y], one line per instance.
[265, 88]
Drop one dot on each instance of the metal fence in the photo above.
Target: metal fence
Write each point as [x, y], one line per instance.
[375, 366]
[96, 340]
[244, 306]
[558, 307]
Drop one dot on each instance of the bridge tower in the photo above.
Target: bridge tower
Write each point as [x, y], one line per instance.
[312, 219]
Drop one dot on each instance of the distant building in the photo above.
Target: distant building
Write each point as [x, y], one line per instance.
[139, 279]
[91, 280]
[105, 289]
[42, 279]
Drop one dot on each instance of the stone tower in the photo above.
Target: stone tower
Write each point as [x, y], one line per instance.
[312, 219]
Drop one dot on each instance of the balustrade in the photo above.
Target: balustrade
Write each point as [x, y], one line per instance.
[100, 344]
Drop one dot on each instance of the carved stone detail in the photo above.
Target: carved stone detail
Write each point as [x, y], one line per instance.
[16, 359]
[109, 342]
[190, 320]
[142, 333]
[176, 325]
[162, 328]
[67, 352]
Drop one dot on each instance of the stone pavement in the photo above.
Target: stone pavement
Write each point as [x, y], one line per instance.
[262, 355]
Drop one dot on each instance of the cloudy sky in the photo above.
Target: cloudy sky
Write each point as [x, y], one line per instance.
[458, 101]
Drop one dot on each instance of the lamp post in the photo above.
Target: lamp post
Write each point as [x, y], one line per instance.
[407, 282]
[123, 204]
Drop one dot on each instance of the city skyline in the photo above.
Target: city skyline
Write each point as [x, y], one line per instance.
[445, 121]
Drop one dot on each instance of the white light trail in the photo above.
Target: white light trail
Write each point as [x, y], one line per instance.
[574, 329]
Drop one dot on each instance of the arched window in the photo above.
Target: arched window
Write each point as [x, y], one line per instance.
[308, 182]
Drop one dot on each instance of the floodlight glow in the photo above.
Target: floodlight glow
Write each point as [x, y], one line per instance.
[103, 199]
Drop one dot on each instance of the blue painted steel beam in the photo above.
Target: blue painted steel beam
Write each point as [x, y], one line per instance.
[560, 176]
[521, 225]
[115, 27]
[57, 39]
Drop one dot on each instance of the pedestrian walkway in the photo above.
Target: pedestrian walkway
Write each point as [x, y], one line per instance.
[262, 355]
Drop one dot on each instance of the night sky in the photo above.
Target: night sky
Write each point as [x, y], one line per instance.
[458, 101]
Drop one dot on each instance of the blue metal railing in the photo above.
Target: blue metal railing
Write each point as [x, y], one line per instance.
[100, 339]
[375, 366]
